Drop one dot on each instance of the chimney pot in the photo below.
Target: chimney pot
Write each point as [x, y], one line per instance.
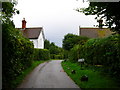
[23, 23]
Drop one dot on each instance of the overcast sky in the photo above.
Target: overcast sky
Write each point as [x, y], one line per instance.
[57, 17]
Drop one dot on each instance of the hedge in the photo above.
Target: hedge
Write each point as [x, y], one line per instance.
[74, 54]
[103, 51]
[41, 54]
[56, 56]
[17, 54]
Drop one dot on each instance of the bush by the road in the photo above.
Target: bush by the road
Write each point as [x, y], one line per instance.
[55, 51]
[74, 54]
[71, 39]
[58, 56]
[104, 51]
[17, 54]
[41, 54]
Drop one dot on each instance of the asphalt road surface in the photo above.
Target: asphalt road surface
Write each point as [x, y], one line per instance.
[48, 75]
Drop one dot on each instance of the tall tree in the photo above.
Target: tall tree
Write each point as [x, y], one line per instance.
[8, 11]
[107, 10]
[70, 40]
[54, 49]
[46, 44]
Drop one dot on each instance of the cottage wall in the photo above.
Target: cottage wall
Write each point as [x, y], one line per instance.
[35, 42]
[41, 41]
[38, 43]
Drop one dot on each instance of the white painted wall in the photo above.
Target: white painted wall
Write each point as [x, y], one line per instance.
[41, 41]
[38, 43]
[35, 42]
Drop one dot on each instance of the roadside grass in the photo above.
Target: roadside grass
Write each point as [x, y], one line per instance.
[20, 78]
[96, 79]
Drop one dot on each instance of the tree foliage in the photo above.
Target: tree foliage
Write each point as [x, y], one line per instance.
[8, 11]
[107, 10]
[46, 44]
[17, 54]
[99, 51]
[17, 50]
[55, 51]
[70, 40]
[41, 54]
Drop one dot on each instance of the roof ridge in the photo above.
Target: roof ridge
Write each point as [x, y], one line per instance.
[31, 27]
[34, 27]
[93, 28]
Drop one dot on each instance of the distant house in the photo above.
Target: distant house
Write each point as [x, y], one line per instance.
[94, 32]
[35, 34]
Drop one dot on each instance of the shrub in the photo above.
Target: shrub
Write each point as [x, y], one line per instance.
[59, 56]
[105, 51]
[77, 51]
[41, 54]
[56, 56]
[70, 40]
[74, 54]
[17, 54]
[36, 54]
[52, 56]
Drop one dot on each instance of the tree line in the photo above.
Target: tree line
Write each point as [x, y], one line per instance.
[55, 51]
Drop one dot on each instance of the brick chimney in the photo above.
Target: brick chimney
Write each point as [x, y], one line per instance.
[23, 23]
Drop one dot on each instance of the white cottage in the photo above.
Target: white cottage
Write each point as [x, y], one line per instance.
[35, 34]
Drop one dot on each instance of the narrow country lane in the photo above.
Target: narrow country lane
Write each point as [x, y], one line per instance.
[48, 75]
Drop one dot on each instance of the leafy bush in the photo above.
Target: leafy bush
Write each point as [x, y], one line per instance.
[59, 56]
[104, 51]
[17, 54]
[65, 54]
[92, 51]
[41, 54]
[36, 54]
[55, 51]
[56, 56]
[70, 40]
[74, 54]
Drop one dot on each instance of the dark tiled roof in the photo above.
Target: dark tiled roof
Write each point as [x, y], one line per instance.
[31, 33]
[94, 32]
[93, 28]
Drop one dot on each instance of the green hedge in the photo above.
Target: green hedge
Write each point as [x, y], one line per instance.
[17, 54]
[59, 56]
[41, 54]
[104, 51]
[56, 56]
[74, 54]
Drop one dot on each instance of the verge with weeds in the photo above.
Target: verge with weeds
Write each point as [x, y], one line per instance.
[96, 78]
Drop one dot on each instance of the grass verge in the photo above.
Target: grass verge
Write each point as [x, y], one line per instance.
[20, 78]
[95, 78]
